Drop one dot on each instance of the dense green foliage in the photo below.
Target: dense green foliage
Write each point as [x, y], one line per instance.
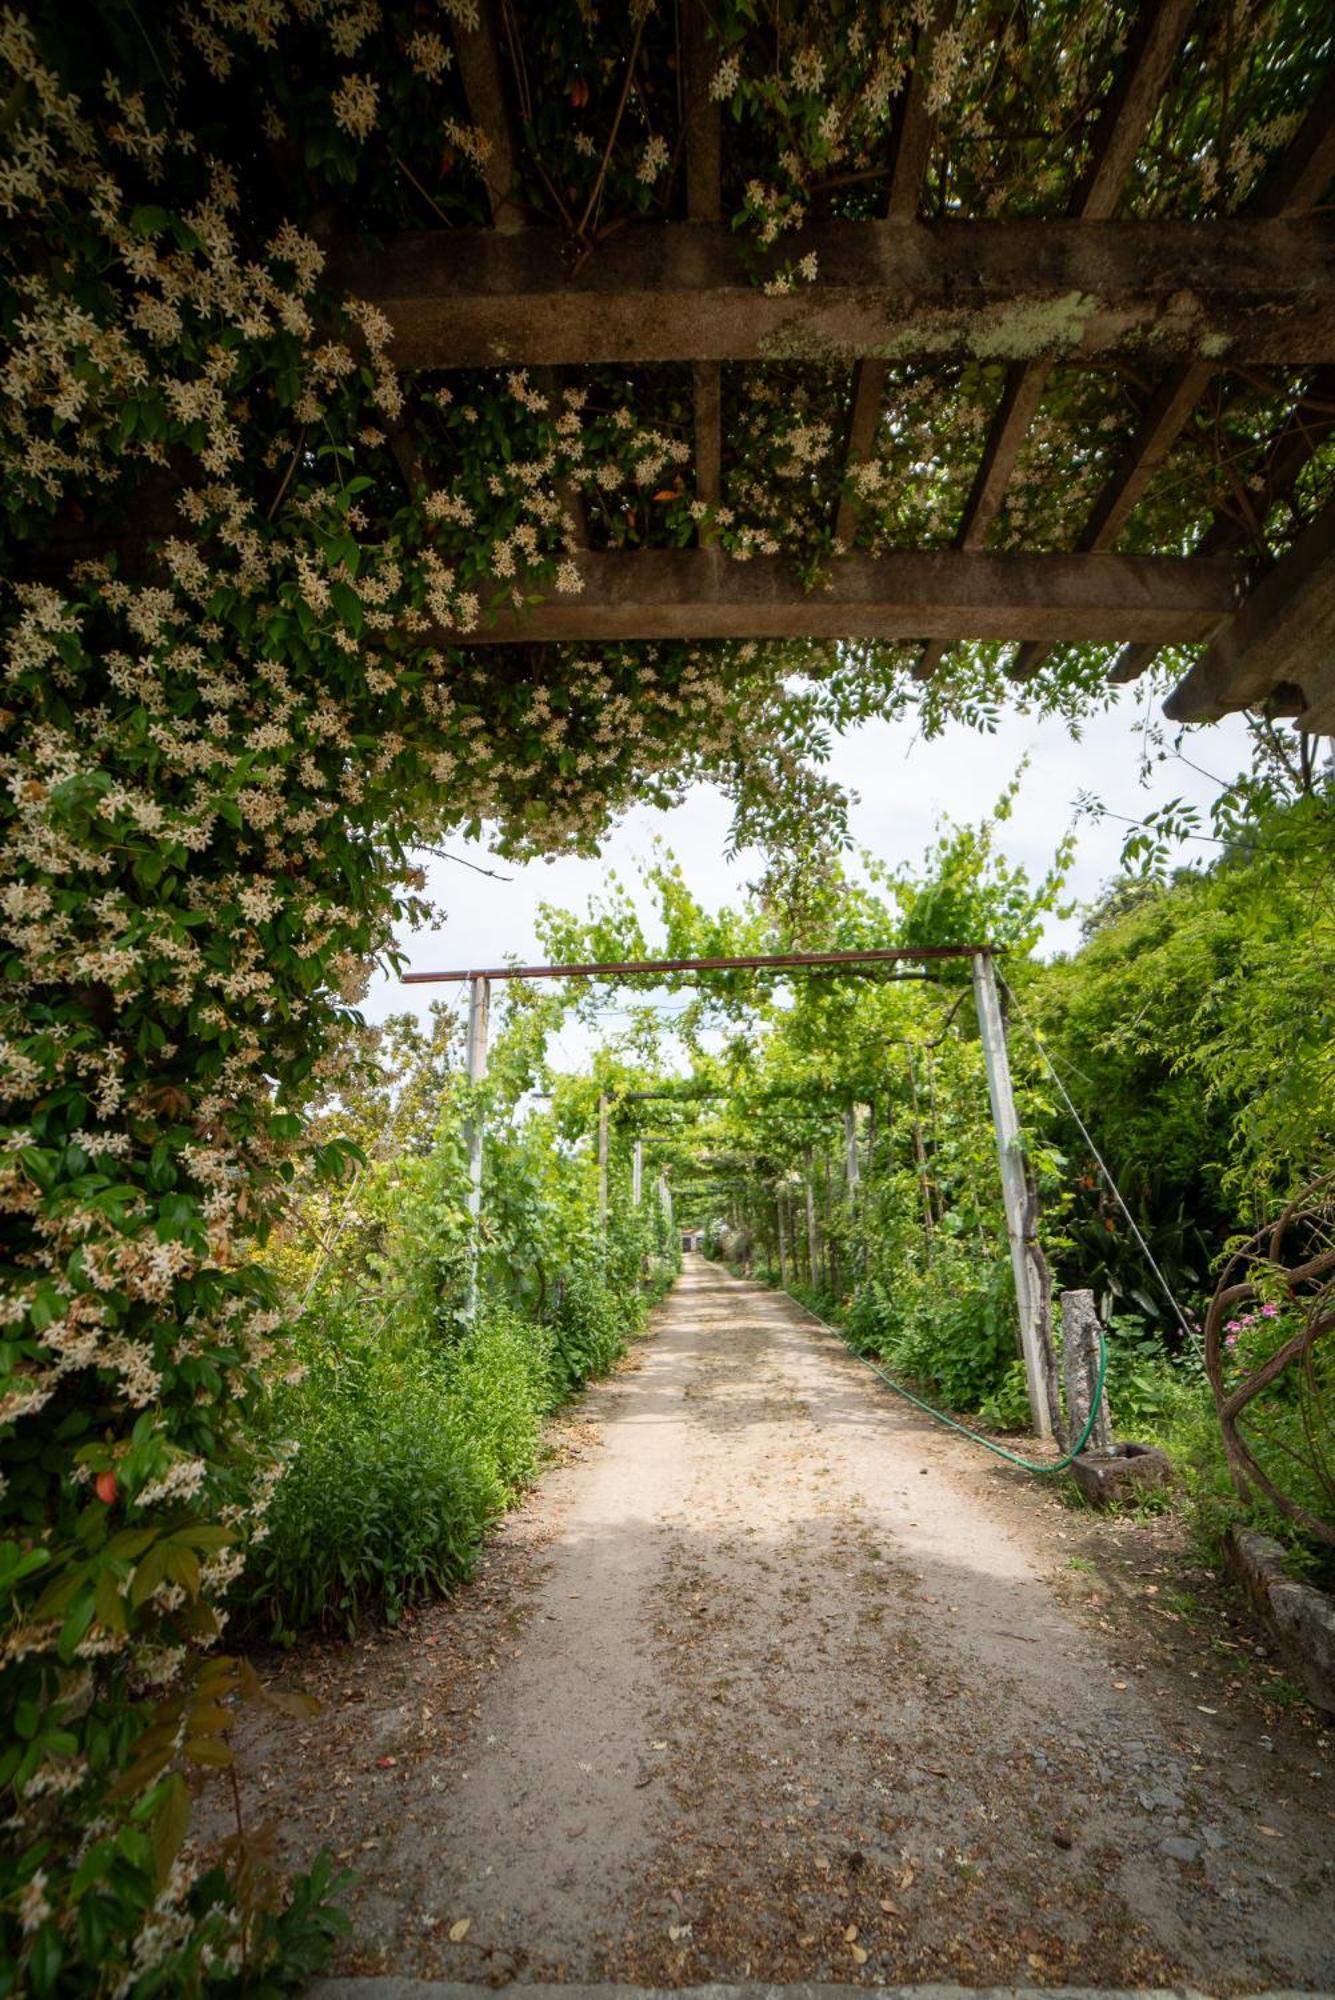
[246, 557]
[1200, 1021]
[1193, 1032]
[406, 1425]
[400, 1456]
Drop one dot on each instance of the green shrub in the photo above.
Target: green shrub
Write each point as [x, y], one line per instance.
[401, 1454]
[590, 1328]
[500, 1378]
[1191, 1436]
[402, 1449]
[948, 1325]
[1007, 1408]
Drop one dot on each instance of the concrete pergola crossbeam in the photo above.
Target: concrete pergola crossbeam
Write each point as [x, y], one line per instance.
[1177, 302]
[942, 593]
[911, 146]
[1282, 641]
[1309, 425]
[1158, 32]
[1243, 291]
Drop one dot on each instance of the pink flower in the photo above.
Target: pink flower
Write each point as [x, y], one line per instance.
[1230, 1340]
[1269, 1312]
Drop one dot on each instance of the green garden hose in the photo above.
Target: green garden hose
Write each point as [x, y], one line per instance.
[988, 1444]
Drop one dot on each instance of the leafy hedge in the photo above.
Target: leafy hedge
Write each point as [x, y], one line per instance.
[400, 1453]
[591, 1327]
[948, 1325]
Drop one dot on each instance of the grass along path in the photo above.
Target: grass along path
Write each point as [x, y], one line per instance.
[771, 1679]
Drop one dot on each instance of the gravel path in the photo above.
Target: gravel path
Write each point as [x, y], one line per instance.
[775, 1680]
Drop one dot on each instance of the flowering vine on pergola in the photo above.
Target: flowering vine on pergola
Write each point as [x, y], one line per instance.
[463, 416]
[1073, 402]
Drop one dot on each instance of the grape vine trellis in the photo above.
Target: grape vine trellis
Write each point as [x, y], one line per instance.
[345, 339]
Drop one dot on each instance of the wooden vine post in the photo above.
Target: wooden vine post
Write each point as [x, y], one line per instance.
[992, 1030]
[920, 1156]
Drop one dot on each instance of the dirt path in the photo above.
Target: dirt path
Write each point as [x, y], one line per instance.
[772, 1682]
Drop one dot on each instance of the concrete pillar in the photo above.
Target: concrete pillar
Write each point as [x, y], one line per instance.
[1080, 1365]
[602, 1163]
[479, 1007]
[1007, 1128]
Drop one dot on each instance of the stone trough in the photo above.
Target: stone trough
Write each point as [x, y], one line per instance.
[1121, 1473]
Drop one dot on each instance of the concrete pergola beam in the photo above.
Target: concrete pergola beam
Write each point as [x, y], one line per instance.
[1235, 291]
[944, 594]
[1279, 646]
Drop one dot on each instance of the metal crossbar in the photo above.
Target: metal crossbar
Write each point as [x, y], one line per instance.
[761, 962]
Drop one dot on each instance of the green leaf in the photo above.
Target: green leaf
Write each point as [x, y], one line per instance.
[170, 1823]
[110, 1605]
[348, 605]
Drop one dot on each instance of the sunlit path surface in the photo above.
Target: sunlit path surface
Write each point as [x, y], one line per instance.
[771, 1682]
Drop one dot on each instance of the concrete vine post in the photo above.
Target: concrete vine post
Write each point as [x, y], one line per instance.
[920, 1155]
[479, 1008]
[602, 1164]
[782, 1237]
[1006, 1125]
[813, 1246]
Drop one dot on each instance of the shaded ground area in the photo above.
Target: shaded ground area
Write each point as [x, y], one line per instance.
[771, 1679]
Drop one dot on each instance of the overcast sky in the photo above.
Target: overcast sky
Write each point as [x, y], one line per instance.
[904, 787]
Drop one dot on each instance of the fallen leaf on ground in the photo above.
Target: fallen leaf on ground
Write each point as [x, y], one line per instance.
[459, 1931]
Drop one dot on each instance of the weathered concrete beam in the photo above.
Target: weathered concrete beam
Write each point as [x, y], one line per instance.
[704, 203]
[1282, 638]
[1305, 429]
[1254, 290]
[933, 594]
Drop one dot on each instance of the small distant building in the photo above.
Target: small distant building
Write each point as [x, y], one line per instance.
[692, 1239]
